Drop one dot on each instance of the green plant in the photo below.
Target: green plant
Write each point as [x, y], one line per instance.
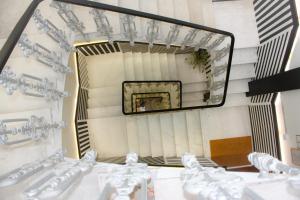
[198, 59]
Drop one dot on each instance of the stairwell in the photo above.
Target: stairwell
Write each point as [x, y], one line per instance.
[111, 133]
[168, 134]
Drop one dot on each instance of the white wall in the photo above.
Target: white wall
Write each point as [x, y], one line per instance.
[238, 18]
[291, 110]
[227, 122]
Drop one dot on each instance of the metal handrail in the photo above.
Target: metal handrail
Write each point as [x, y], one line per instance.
[20, 26]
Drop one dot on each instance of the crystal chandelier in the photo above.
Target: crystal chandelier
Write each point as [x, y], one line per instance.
[189, 38]
[102, 23]
[33, 128]
[27, 170]
[152, 32]
[209, 183]
[129, 28]
[43, 55]
[69, 17]
[172, 35]
[54, 184]
[218, 70]
[204, 41]
[219, 54]
[216, 43]
[52, 31]
[30, 85]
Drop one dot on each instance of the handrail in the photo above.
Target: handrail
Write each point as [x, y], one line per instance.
[14, 36]
[20, 26]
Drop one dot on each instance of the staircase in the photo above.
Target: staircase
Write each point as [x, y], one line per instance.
[112, 134]
[167, 134]
[157, 135]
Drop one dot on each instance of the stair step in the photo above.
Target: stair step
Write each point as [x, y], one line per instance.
[205, 162]
[194, 87]
[155, 64]
[138, 66]
[149, 6]
[148, 74]
[132, 134]
[132, 4]
[167, 134]
[194, 132]
[238, 86]
[186, 73]
[239, 99]
[201, 12]
[193, 96]
[104, 101]
[244, 56]
[172, 67]
[180, 133]
[108, 72]
[155, 135]
[164, 66]
[166, 8]
[193, 103]
[242, 71]
[143, 136]
[195, 11]
[181, 10]
[104, 112]
[109, 136]
[129, 66]
[105, 91]
[110, 2]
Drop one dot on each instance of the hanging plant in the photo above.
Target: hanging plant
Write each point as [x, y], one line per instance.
[198, 59]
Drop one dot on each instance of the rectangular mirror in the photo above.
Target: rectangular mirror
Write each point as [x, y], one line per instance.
[151, 96]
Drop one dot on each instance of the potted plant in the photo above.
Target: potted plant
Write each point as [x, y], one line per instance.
[198, 59]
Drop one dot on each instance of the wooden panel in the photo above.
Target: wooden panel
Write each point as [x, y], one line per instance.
[231, 151]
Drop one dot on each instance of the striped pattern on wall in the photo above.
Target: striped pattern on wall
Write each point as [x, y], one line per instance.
[82, 104]
[277, 25]
[98, 48]
[264, 134]
[270, 60]
[160, 161]
[83, 138]
[82, 70]
[273, 17]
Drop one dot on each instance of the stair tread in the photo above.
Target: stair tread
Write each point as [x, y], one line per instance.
[155, 135]
[167, 134]
[244, 55]
[164, 68]
[147, 68]
[129, 66]
[143, 136]
[155, 65]
[132, 134]
[104, 111]
[172, 67]
[194, 132]
[138, 66]
[109, 135]
[180, 133]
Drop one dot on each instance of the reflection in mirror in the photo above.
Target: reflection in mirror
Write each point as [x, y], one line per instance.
[147, 96]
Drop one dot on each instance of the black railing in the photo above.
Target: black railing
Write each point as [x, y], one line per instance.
[13, 38]
[20, 26]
